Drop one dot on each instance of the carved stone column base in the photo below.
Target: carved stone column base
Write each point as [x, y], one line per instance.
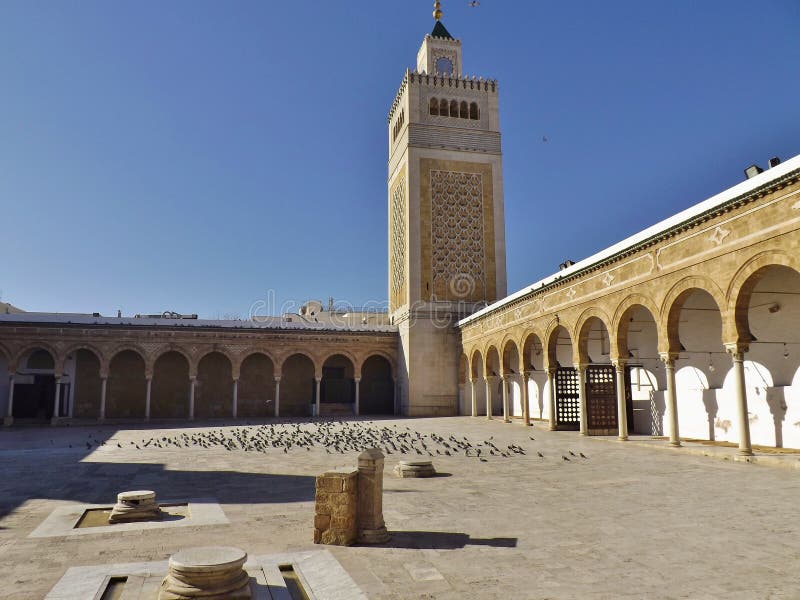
[373, 536]
[135, 506]
[415, 468]
[209, 573]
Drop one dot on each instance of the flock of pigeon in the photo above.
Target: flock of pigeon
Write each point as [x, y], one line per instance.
[335, 437]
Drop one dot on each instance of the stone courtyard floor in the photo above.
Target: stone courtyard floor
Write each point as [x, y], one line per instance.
[626, 522]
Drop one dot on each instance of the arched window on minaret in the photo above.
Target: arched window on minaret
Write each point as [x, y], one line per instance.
[444, 108]
[434, 106]
[464, 114]
[454, 108]
[474, 113]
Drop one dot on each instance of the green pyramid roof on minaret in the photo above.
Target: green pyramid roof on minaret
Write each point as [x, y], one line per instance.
[440, 31]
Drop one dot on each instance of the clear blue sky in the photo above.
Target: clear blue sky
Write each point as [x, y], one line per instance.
[191, 155]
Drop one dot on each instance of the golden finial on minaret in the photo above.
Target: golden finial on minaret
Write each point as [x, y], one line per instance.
[437, 10]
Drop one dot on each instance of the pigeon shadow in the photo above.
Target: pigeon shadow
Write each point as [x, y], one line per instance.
[442, 540]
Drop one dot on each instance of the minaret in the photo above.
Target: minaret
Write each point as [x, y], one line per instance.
[447, 255]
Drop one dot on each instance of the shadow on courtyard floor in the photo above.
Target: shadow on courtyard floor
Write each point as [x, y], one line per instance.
[63, 478]
[442, 540]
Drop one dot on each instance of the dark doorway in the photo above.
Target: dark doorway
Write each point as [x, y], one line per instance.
[35, 400]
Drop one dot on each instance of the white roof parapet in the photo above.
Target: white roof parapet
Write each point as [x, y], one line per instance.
[716, 201]
[274, 323]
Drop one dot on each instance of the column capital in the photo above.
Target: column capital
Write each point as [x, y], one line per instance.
[619, 363]
[737, 348]
[527, 374]
[551, 371]
[277, 378]
[357, 379]
[581, 366]
[318, 379]
[668, 358]
[193, 378]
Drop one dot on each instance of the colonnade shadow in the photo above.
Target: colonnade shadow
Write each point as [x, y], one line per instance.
[60, 475]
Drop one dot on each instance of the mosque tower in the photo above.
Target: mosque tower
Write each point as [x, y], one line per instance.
[447, 252]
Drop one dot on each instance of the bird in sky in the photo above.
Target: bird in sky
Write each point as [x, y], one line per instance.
[474, 3]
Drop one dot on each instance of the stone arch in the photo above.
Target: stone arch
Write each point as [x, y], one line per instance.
[554, 329]
[673, 303]
[744, 282]
[476, 365]
[492, 366]
[510, 358]
[580, 335]
[214, 387]
[126, 385]
[144, 355]
[99, 354]
[286, 356]
[621, 321]
[377, 385]
[337, 386]
[298, 372]
[25, 351]
[171, 385]
[200, 354]
[369, 354]
[532, 346]
[346, 353]
[5, 354]
[90, 368]
[256, 388]
[162, 350]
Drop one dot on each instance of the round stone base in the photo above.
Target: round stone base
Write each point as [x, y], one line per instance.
[210, 573]
[139, 505]
[416, 468]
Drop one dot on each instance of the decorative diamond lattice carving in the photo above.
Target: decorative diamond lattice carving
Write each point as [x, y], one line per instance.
[457, 236]
[398, 240]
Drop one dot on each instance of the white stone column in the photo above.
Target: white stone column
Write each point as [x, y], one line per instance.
[551, 384]
[103, 396]
[277, 396]
[526, 399]
[317, 394]
[669, 359]
[358, 389]
[473, 398]
[622, 404]
[581, 368]
[740, 389]
[488, 398]
[192, 382]
[147, 398]
[9, 419]
[235, 407]
[506, 418]
[56, 400]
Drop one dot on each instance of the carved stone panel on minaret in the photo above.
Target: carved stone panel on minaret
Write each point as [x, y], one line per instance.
[457, 225]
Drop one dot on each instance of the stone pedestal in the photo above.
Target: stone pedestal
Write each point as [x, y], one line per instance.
[371, 527]
[209, 573]
[335, 508]
[415, 468]
[138, 505]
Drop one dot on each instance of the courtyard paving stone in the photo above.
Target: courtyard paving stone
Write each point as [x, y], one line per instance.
[626, 522]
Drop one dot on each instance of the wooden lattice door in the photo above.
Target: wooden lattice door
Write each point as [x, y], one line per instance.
[568, 410]
[601, 400]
